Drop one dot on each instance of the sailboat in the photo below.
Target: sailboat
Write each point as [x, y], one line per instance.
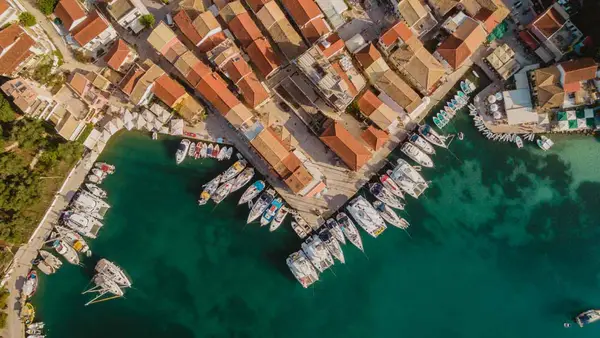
[385, 196]
[302, 268]
[416, 155]
[433, 137]
[389, 215]
[317, 253]
[366, 216]
[235, 169]
[114, 272]
[95, 190]
[242, 179]
[335, 230]
[209, 189]
[252, 191]
[391, 186]
[261, 205]
[350, 230]
[332, 245]
[66, 251]
[222, 192]
[279, 217]
[422, 143]
[73, 239]
[270, 213]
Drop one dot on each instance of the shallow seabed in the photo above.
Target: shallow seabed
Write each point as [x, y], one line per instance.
[504, 244]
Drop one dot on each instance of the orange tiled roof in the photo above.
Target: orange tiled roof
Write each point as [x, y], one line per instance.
[299, 179]
[89, 29]
[18, 52]
[368, 103]
[117, 54]
[336, 44]
[315, 29]
[237, 69]
[184, 23]
[252, 90]
[549, 22]
[244, 29]
[69, 11]
[302, 11]
[397, 31]
[3, 6]
[212, 41]
[367, 55]
[578, 70]
[256, 5]
[130, 79]
[9, 35]
[348, 148]
[79, 83]
[215, 91]
[375, 138]
[459, 46]
[264, 58]
[168, 90]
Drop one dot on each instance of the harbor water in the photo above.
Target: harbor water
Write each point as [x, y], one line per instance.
[503, 244]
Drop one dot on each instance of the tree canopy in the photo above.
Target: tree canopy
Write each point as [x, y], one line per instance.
[47, 6]
[29, 134]
[7, 114]
[27, 19]
[147, 20]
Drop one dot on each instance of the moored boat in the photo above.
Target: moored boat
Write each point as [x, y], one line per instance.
[95, 190]
[53, 261]
[27, 313]
[182, 150]
[350, 230]
[229, 153]
[544, 143]
[209, 151]
[252, 191]
[335, 229]
[30, 285]
[416, 155]
[222, 192]
[382, 194]
[84, 224]
[242, 179]
[409, 171]
[390, 185]
[332, 245]
[271, 211]
[73, 239]
[279, 218]
[209, 189]
[235, 169]
[432, 136]
[105, 167]
[261, 205]
[414, 189]
[198, 150]
[90, 204]
[113, 271]
[203, 150]
[389, 215]
[192, 149]
[587, 317]
[45, 268]
[66, 251]
[519, 141]
[215, 152]
[366, 216]
[421, 143]
[221, 154]
[317, 253]
[299, 230]
[302, 268]
[94, 179]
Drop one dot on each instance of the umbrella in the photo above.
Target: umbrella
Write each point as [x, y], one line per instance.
[148, 116]
[164, 130]
[105, 136]
[129, 125]
[499, 96]
[111, 127]
[491, 99]
[164, 116]
[140, 123]
[157, 125]
[127, 117]
[581, 123]
[563, 125]
[177, 124]
[494, 107]
[119, 123]
[497, 115]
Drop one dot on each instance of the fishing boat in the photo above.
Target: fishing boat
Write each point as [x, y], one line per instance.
[261, 205]
[192, 149]
[408, 170]
[229, 153]
[302, 268]
[235, 169]
[366, 216]
[113, 271]
[335, 229]
[209, 151]
[82, 223]
[105, 167]
[271, 211]
[422, 144]
[389, 215]
[94, 179]
[544, 143]
[382, 194]
[203, 150]
[242, 179]
[95, 190]
[216, 150]
[182, 150]
[414, 189]
[332, 245]
[53, 261]
[45, 268]
[350, 230]
[66, 251]
[519, 142]
[587, 317]
[222, 192]
[299, 230]
[30, 285]
[279, 217]
[416, 155]
[73, 239]
[252, 191]
[221, 154]
[391, 186]
[209, 189]
[317, 253]
[432, 136]
[198, 150]
[28, 313]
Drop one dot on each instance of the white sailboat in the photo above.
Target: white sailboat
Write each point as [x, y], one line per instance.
[85, 202]
[382, 194]
[222, 192]
[112, 271]
[95, 190]
[302, 268]
[416, 155]
[104, 288]
[350, 230]
[332, 245]
[335, 229]
[182, 150]
[389, 215]
[82, 223]
[366, 216]
[390, 185]
[317, 253]
[73, 239]
[279, 217]
[421, 143]
[408, 170]
[66, 251]
[235, 169]
[252, 191]
[432, 136]
[242, 179]
[407, 185]
[261, 205]
[209, 189]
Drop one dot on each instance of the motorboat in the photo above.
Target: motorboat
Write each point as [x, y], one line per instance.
[229, 153]
[30, 285]
[209, 151]
[198, 150]
[252, 191]
[389, 215]
[95, 190]
[222, 153]
[438, 122]
[385, 196]
[105, 167]
[154, 135]
[51, 260]
[235, 169]
[587, 317]
[317, 253]
[302, 268]
[192, 149]
[85, 202]
[335, 229]
[271, 211]
[421, 143]
[114, 272]
[107, 285]
[203, 150]
[36, 326]
[390, 185]
[279, 218]
[99, 173]
[84, 224]
[261, 205]
[544, 143]
[332, 245]
[242, 179]
[44, 267]
[209, 189]
[182, 150]
[350, 230]
[94, 179]
[519, 142]
[27, 313]
[432, 136]
[299, 230]
[407, 185]
[416, 155]
[366, 216]
[73, 239]
[66, 251]
[215, 152]
[222, 192]
[408, 170]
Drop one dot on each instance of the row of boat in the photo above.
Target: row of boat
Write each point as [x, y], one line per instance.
[459, 101]
[202, 150]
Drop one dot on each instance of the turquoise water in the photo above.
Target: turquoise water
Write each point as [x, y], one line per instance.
[504, 244]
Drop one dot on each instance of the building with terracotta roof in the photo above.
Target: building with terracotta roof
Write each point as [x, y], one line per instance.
[415, 14]
[32, 100]
[397, 35]
[183, 21]
[169, 91]
[244, 29]
[270, 147]
[367, 56]
[308, 17]
[283, 34]
[67, 125]
[190, 110]
[164, 40]
[264, 58]
[223, 53]
[127, 13]
[377, 111]
[8, 13]
[214, 90]
[231, 10]
[464, 41]
[333, 45]
[89, 89]
[555, 32]
[206, 25]
[70, 13]
[256, 5]
[252, 90]
[347, 148]
[94, 34]
[120, 56]
[138, 82]
[375, 138]
[15, 49]
[191, 68]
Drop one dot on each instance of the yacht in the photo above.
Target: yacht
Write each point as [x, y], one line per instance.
[99, 173]
[90, 204]
[84, 224]
[94, 179]
[45, 268]
[270, 213]
[385, 196]
[203, 150]
[421, 143]
[182, 150]
[391, 186]
[335, 229]
[51, 260]
[192, 150]
[587, 317]
[30, 285]
[408, 170]
[432, 136]
[235, 169]
[416, 155]
[229, 153]
[105, 167]
[66, 251]
[242, 179]
[222, 192]
[544, 143]
[221, 154]
[108, 285]
[261, 205]
[112, 271]
[332, 245]
[73, 239]
[279, 217]
[252, 191]
[95, 190]
[389, 215]
[209, 151]
[366, 216]
[299, 230]
[350, 230]
[317, 253]
[209, 189]
[407, 185]
[302, 268]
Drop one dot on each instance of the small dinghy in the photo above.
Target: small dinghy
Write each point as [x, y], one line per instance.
[192, 150]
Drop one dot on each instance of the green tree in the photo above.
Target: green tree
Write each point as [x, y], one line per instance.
[147, 20]
[30, 134]
[3, 317]
[7, 114]
[47, 6]
[27, 19]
